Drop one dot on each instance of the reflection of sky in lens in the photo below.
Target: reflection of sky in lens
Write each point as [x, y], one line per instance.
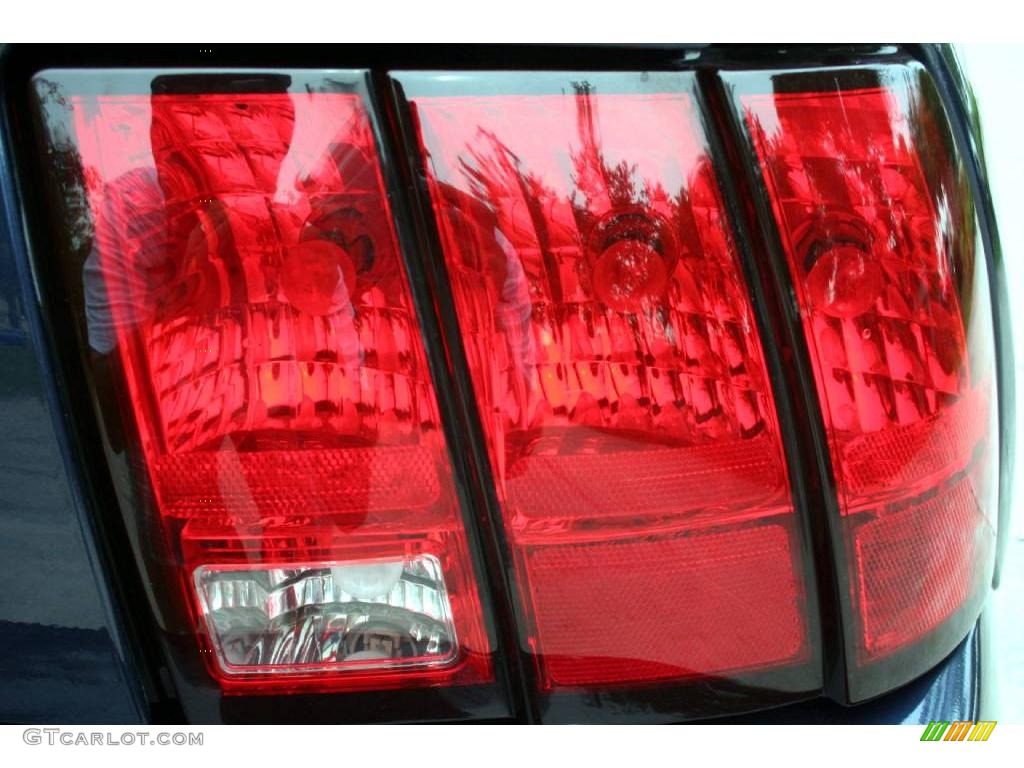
[542, 131]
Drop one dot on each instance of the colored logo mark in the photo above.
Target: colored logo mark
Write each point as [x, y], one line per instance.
[958, 730]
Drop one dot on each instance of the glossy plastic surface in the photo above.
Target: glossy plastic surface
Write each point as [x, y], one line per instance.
[878, 229]
[65, 657]
[618, 375]
[244, 282]
[954, 689]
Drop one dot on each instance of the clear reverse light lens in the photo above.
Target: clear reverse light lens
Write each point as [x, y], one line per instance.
[328, 616]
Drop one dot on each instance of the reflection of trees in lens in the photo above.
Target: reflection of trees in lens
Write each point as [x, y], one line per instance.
[615, 256]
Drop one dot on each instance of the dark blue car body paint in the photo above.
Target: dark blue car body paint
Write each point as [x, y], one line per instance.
[61, 659]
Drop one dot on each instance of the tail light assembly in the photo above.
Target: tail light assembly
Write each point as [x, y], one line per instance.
[605, 516]
[878, 232]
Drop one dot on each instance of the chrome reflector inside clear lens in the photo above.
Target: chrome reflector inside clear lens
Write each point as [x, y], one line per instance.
[328, 616]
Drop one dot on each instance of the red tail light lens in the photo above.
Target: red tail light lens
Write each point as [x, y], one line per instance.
[246, 275]
[878, 230]
[620, 379]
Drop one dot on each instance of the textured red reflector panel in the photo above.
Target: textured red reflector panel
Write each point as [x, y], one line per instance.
[879, 235]
[620, 379]
[247, 275]
[580, 590]
[936, 534]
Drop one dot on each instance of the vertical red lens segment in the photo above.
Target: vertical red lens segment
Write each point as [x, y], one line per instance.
[897, 318]
[620, 379]
[246, 273]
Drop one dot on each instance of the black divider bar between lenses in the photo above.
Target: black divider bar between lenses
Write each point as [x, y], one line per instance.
[442, 341]
[801, 425]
